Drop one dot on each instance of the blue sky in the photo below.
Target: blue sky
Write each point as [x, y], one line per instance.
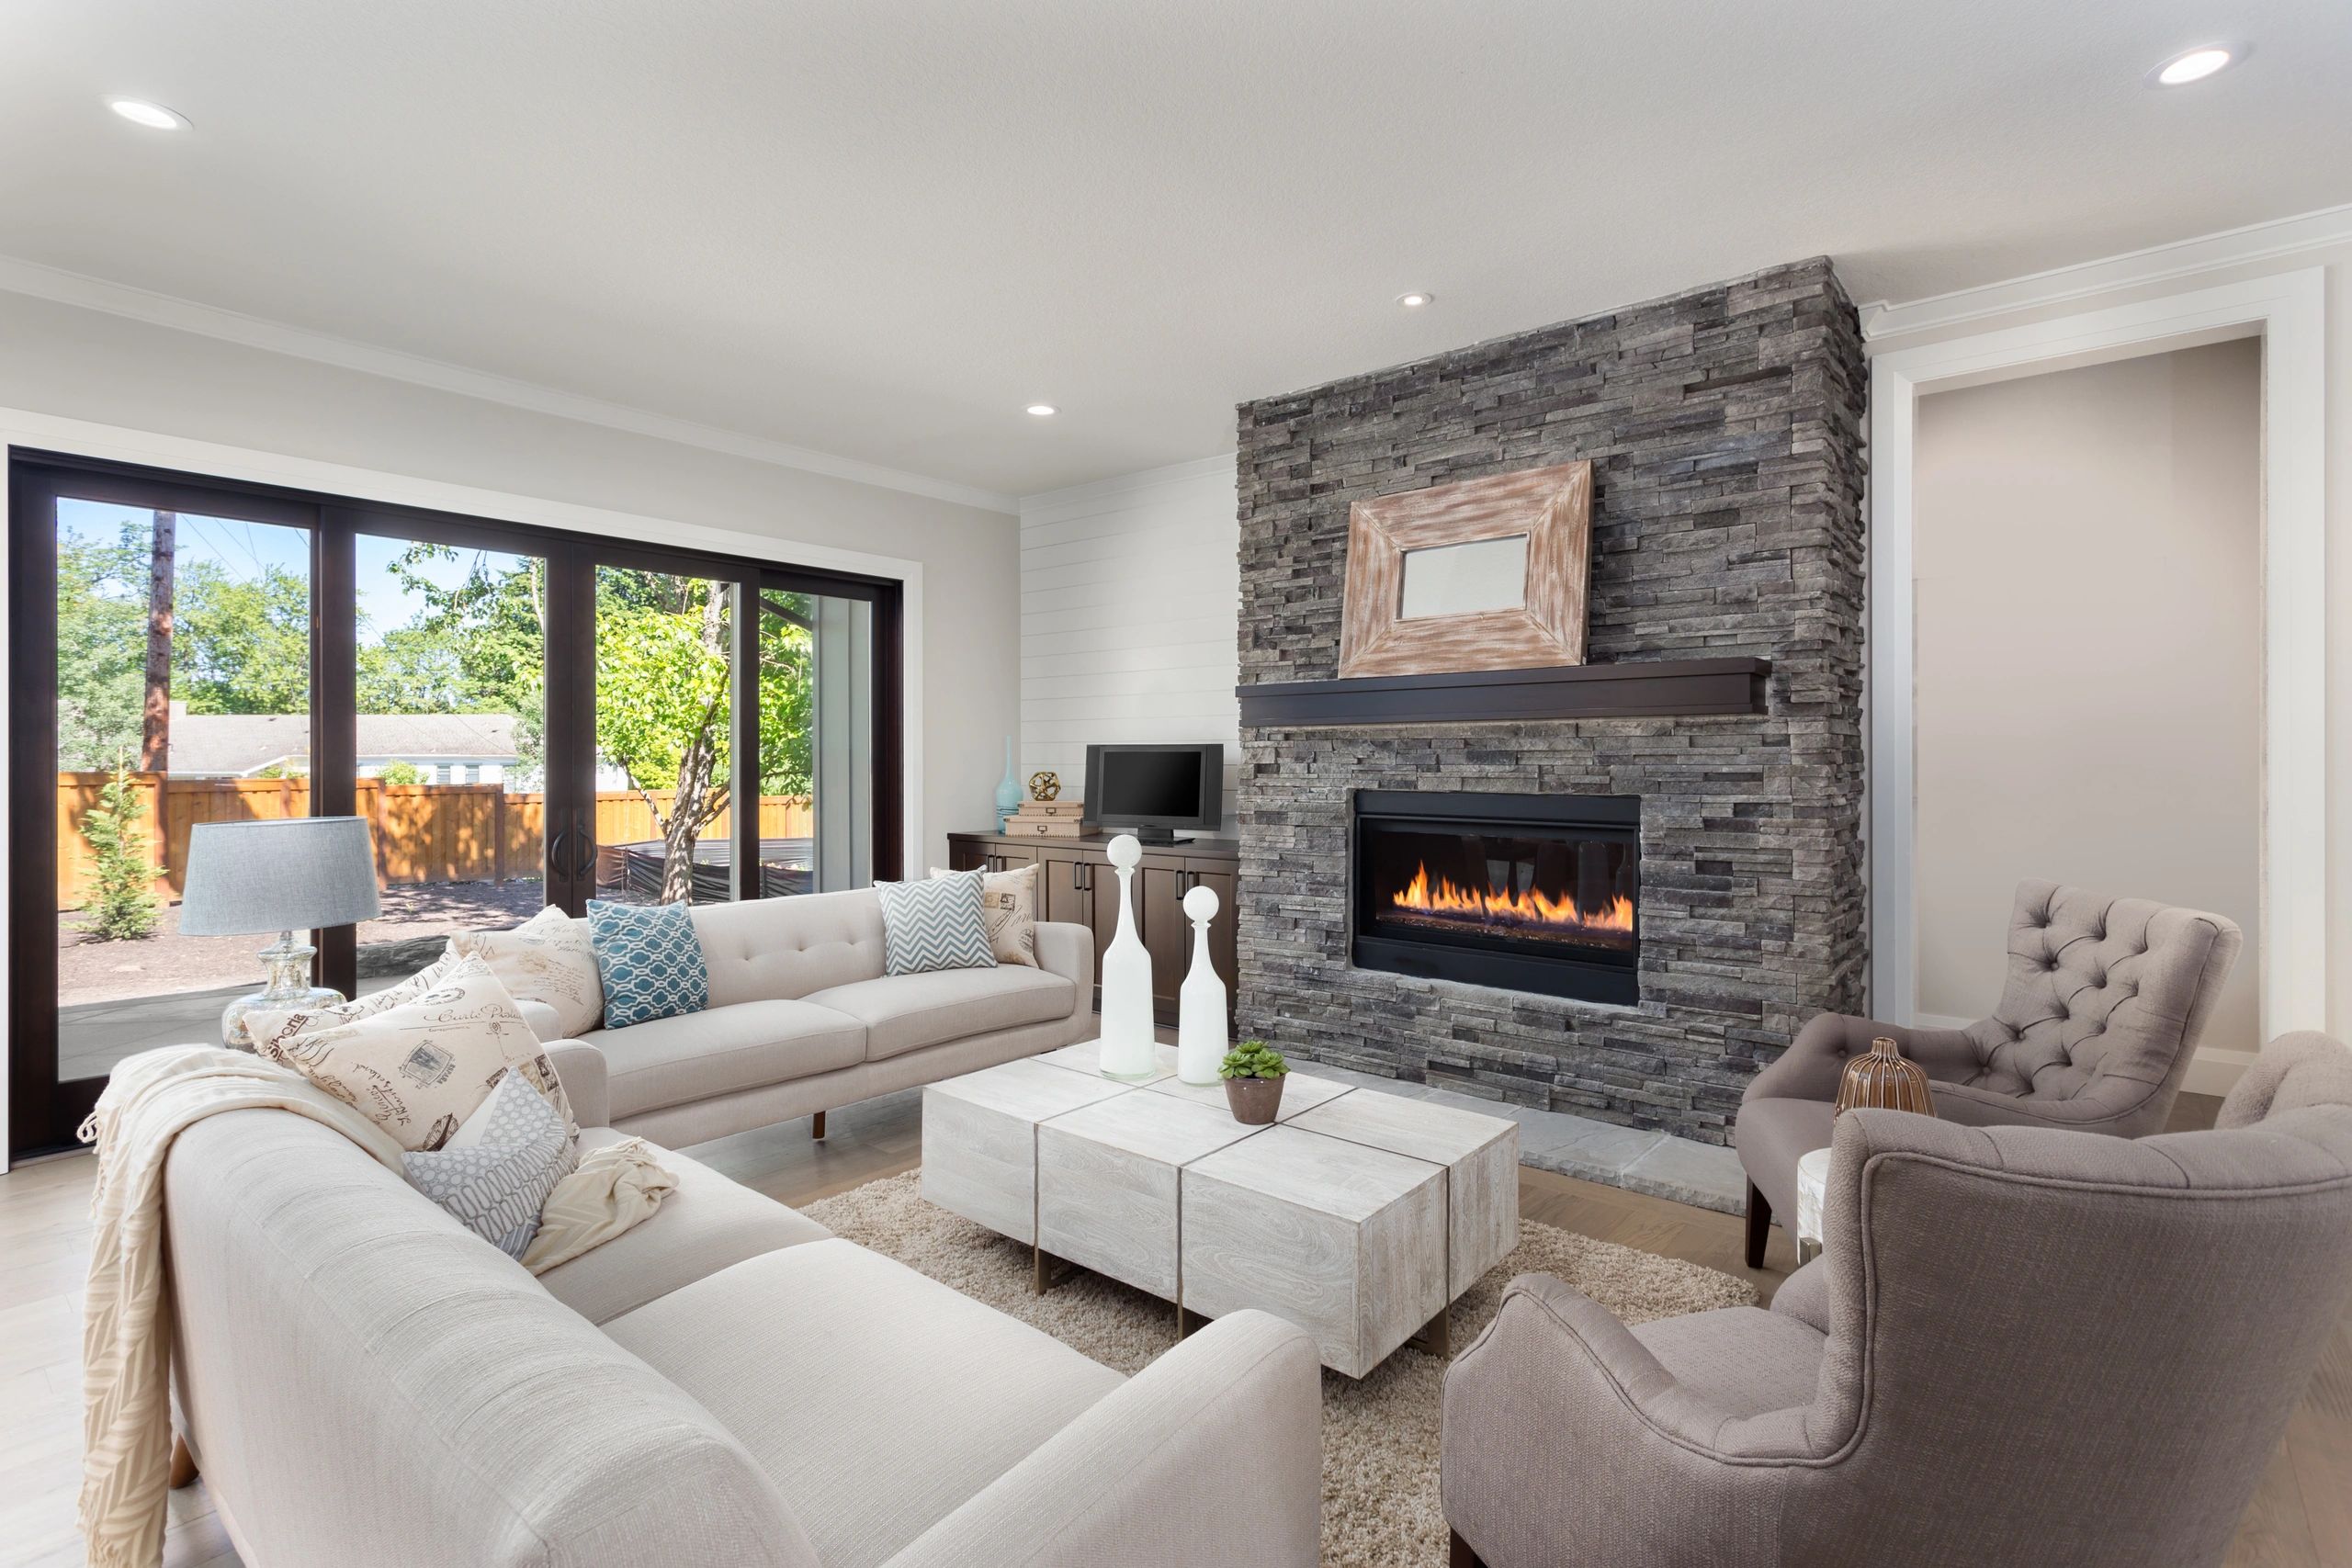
[246, 548]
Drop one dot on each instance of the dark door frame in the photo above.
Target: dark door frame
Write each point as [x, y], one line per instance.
[43, 1111]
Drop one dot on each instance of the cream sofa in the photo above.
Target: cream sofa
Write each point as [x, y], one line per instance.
[363, 1382]
[802, 1019]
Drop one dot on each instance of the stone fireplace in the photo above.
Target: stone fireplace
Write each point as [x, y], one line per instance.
[1520, 892]
[1724, 428]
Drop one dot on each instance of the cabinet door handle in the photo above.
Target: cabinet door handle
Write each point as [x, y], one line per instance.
[1081, 876]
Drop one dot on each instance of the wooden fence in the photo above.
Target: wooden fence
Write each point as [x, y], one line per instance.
[423, 832]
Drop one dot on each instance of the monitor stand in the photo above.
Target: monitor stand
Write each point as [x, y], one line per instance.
[1157, 837]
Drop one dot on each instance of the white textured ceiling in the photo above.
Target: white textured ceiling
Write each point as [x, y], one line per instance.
[880, 229]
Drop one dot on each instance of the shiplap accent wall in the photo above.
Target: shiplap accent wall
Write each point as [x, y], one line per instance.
[1130, 596]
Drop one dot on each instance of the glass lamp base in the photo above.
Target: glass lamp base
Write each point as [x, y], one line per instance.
[288, 990]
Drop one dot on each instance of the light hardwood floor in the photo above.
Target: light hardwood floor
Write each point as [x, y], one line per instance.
[2301, 1517]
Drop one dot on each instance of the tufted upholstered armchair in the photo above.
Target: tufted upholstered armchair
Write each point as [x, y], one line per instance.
[2104, 1000]
[2021, 1345]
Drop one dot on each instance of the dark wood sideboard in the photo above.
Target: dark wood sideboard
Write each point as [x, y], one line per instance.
[1075, 884]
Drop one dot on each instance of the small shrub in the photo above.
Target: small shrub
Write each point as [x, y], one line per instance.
[400, 773]
[122, 885]
[1252, 1059]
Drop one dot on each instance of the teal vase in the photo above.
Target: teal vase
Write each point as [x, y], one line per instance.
[1008, 794]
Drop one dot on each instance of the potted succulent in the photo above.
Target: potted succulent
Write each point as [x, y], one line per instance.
[1253, 1073]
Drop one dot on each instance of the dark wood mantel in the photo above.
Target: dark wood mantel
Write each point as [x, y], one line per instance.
[1635, 689]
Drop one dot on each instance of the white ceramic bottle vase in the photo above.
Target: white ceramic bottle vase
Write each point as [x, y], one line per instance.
[1200, 1005]
[1127, 1051]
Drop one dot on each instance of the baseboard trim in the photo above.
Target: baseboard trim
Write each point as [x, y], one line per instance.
[2216, 1071]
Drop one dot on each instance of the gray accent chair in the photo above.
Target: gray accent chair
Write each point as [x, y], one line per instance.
[2097, 1024]
[2021, 1344]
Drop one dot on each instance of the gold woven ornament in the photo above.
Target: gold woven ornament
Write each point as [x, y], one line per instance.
[1044, 786]
[1885, 1079]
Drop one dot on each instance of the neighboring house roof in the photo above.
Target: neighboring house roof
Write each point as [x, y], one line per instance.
[228, 744]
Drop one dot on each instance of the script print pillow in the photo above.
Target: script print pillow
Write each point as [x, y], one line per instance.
[419, 1067]
[935, 925]
[548, 959]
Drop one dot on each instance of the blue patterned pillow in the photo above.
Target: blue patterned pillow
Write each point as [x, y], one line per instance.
[495, 1175]
[650, 960]
[937, 924]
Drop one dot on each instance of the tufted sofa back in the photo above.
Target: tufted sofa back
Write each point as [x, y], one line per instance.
[2104, 995]
[767, 949]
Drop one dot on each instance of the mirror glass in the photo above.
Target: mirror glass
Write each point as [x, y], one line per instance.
[1459, 579]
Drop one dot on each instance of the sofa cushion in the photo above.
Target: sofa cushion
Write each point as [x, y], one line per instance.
[1772, 1136]
[774, 949]
[673, 1060]
[936, 924]
[549, 965]
[907, 1012]
[707, 1224]
[877, 1400]
[494, 1176]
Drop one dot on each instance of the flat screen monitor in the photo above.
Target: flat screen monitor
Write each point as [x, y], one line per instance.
[1156, 789]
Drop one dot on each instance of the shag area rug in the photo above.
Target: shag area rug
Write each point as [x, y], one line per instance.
[1380, 1436]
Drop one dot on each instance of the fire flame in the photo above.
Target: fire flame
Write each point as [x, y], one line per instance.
[1532, 906]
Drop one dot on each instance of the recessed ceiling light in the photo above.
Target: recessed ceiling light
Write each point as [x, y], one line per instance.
[1044, 410]
[1414, 301]
[154, 117]
[2192, 65]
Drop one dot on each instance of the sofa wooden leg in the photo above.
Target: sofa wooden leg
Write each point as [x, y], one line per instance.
[1458, 1554]
[817, 1128]
[183, 1463]
[1760, 1227]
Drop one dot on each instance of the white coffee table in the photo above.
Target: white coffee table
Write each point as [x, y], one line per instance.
[1360, 1215]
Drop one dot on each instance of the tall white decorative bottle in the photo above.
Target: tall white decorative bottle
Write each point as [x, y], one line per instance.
[1199, 1004]
[1128, 1050]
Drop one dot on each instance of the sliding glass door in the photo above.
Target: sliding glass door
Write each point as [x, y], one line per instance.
[522, 717]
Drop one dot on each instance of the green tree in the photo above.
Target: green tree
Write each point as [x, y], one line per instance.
[122, 899]
[101, 621]
[241, 644]
[401, 773]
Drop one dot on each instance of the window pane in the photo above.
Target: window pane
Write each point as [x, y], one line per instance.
[183, 682]
[817, 743]
[664, 751]
[451, 667]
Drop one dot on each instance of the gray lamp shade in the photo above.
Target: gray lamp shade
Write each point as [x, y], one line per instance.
[296, 873]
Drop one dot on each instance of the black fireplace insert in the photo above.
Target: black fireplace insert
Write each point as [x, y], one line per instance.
[1535, 893]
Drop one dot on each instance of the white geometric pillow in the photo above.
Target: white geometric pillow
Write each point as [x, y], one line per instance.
[419, 1067]
[935, 925]
[1008, 909]
[496, 1173]
[545, 959]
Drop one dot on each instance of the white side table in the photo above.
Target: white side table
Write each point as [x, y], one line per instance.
[1812, 1186]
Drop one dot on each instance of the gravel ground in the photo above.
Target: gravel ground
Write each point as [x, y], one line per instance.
[92, 971]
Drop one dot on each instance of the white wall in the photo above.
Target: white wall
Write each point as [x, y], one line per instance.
[1130, 600]
[2087, 696]
[67, 361]
[2324, 241]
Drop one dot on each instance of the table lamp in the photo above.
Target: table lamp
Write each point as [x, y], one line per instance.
[294, 873]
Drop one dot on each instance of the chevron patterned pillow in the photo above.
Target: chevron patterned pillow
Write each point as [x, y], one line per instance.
[933, 925]
[650, 961]
[495, 1175]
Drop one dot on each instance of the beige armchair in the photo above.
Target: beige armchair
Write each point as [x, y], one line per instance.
[2021, 1344]
[2104, 1001]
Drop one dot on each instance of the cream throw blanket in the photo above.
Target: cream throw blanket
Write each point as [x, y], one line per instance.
[126, 1330]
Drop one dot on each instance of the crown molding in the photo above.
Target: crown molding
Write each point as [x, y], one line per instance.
[1034, 506]
[59, 287]
[2158, 264]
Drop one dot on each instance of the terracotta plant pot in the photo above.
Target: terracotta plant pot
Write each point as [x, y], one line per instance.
[1254, 1100]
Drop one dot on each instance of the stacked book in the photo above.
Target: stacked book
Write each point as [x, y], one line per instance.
[1047, 819]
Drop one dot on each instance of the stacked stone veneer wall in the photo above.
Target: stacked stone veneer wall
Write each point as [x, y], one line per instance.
[1724, 428]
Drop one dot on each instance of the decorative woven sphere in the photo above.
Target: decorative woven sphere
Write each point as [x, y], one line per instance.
[1885, 1079]
[1044, 786]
